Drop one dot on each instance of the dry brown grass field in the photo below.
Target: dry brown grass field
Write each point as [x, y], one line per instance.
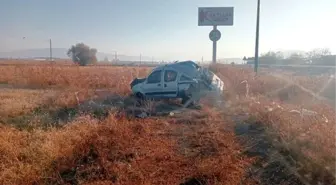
[35, 62]
[115, 150]
[300, 126]
[48, 134]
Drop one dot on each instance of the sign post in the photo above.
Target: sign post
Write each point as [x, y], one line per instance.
[214, 37]
[214, 49]
[256, 52]
[215, 16]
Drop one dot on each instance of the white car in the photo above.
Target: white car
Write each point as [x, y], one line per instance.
[185, 80]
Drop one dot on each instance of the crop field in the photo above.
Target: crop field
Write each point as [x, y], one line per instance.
[66, 124]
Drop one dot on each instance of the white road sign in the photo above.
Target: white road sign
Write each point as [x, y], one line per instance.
[210, 16]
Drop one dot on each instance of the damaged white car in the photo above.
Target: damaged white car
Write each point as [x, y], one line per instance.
[185, 80]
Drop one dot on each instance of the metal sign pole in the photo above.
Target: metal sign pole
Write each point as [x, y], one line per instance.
[215, 16]
[214, 47]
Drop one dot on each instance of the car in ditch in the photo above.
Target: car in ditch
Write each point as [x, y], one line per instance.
[186, 80]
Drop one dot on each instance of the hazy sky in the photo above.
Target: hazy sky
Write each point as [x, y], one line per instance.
[166, 29]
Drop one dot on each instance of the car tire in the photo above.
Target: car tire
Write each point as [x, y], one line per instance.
[184, 99]
[140, 98]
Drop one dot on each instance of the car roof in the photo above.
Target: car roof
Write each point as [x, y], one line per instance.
[189, 67]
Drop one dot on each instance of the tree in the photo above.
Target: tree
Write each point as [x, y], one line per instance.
[328, 60]
[271, 57]
[279, 55]
[295, 58]
[320, 56]
[82, 54]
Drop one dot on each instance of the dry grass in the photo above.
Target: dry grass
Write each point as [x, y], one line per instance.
[233, 78]
[19, 101]
[22, 62]
[59, 85]
[307, 138]
[314, 83]
[120, 151]
[115, 150]
[117, 78]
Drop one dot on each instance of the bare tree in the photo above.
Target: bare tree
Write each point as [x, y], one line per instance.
[318, 53]
[279, 55]
[295, 58]
[320, 56]
[271, 57]
[82, 54]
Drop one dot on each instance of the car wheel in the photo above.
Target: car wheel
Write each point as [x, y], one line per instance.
[140, 98]
[184, 100]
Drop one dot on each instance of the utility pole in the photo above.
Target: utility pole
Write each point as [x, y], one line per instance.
[140, 58]
[115, 56]
[256, 54]
[50, 47]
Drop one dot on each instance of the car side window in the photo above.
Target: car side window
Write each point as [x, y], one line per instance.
[170, 76]
[155, 77]
[184, 78]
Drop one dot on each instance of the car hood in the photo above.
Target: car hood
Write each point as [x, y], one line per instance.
[137, 81]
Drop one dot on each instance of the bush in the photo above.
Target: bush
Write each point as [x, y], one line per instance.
[82, 54]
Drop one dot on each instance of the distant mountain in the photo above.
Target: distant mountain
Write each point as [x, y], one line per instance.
[33, 53]
[62, 53]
